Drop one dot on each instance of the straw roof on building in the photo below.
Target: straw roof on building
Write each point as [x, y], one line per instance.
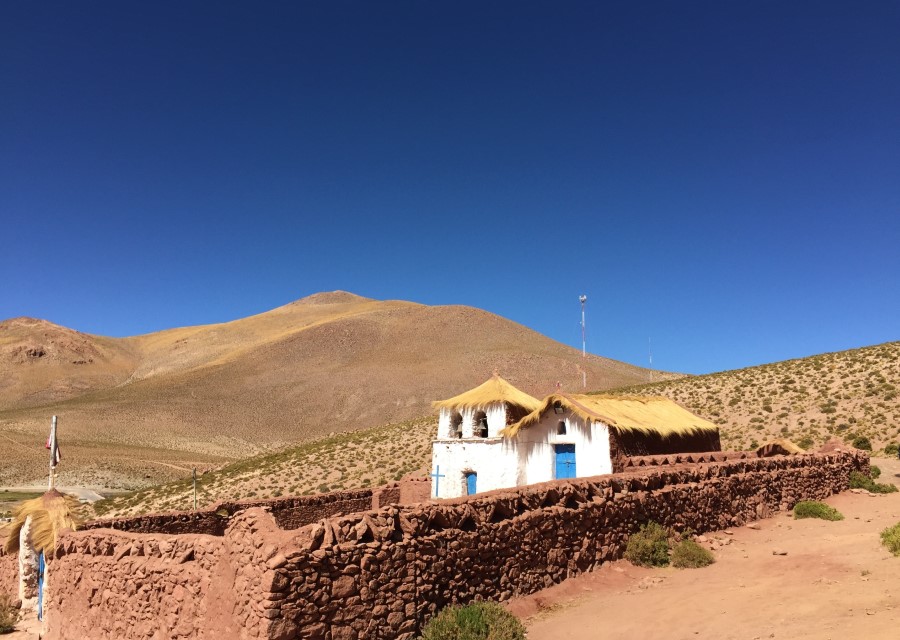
[778, 447]
[644, 414]
[493, 391]
[50, 514]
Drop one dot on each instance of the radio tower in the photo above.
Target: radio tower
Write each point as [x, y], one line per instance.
[583, 298]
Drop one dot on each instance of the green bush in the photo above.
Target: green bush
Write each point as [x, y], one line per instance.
[806, 442]
[813, 509]
[8, 614]
[861, 481]
[874, 472]
[862, 442]
[687, 554]
[649, 547]
[475, 621]
[892, 449]
[890, 538]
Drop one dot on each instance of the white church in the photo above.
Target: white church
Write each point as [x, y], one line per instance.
[496, 437]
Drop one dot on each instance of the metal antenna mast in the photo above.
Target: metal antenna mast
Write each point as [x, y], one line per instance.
[583, 298]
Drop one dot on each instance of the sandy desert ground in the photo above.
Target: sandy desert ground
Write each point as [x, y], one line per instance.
[837, 581]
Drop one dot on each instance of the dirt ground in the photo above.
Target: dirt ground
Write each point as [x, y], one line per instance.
[835, 581]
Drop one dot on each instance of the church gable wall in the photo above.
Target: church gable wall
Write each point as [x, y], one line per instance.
[537, 447]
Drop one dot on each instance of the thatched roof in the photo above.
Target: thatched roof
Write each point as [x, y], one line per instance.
[493, 391]
[645, 414]
[50, 514]
[778, 447]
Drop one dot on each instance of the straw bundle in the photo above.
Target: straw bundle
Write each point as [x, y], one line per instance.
[50, 514]
[644, 414]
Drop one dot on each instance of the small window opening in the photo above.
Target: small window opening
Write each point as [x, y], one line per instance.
[456, 425]
[558, 408]
[561, 428]
[480, 424]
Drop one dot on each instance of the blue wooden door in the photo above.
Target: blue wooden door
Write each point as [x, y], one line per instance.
[565, 461]
[471, 484]
[42, 567]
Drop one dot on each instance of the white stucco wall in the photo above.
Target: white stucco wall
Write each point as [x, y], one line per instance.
[537, 456]
[494, 460]
[528, 458]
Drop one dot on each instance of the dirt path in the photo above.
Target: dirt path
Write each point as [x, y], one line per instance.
[836, 581]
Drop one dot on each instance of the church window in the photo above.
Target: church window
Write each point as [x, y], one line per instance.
[561, 428]
[480, 425]
[456, 425]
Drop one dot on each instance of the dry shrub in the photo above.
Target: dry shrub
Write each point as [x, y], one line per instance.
[813, 509]
[687, 554]
[475, 621]
[649, 547]
[9, 615]
[890, 538]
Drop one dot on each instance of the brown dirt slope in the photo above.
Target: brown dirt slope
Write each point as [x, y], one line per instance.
[849, 394]
[145, 408]
[373, 456]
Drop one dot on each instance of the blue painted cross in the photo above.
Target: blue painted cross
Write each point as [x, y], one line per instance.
[437, 475]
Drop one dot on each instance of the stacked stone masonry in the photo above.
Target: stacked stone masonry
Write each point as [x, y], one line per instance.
[383, 573]
[9, 574]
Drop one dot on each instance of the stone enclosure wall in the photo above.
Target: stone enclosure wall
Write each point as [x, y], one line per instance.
[289, 513]
[9, 574]
[384, 573]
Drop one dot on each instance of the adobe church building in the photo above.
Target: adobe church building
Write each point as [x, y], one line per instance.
[496, 436]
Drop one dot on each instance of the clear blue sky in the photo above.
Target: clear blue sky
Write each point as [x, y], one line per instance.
[721, 176]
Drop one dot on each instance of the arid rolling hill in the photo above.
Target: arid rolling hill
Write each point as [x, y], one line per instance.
[144, 409]
[846, 394]
[791, 399]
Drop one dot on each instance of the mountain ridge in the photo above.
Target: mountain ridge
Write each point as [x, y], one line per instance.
[207, 394]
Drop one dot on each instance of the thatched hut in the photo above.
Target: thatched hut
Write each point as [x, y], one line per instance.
[33, 534]
[573, 435]
[564, 436]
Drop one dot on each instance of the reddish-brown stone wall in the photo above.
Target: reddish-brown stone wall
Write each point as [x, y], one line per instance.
[111, 584]
[383, 574]
[9, 574]
[414, 490]
[289, 513]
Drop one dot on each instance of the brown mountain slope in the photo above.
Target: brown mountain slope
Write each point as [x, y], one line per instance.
[329, 363]
[41, 362]
[850, 394]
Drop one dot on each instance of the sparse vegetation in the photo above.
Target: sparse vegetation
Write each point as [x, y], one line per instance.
[649, 547]
[861, 481]
[687, 554]
[890, 538]
[849, 394]
[862, 442]
[9, 615]
[476, 621]
[892, 449]
[814, 509]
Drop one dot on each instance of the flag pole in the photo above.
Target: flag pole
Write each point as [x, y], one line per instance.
[53, 458]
